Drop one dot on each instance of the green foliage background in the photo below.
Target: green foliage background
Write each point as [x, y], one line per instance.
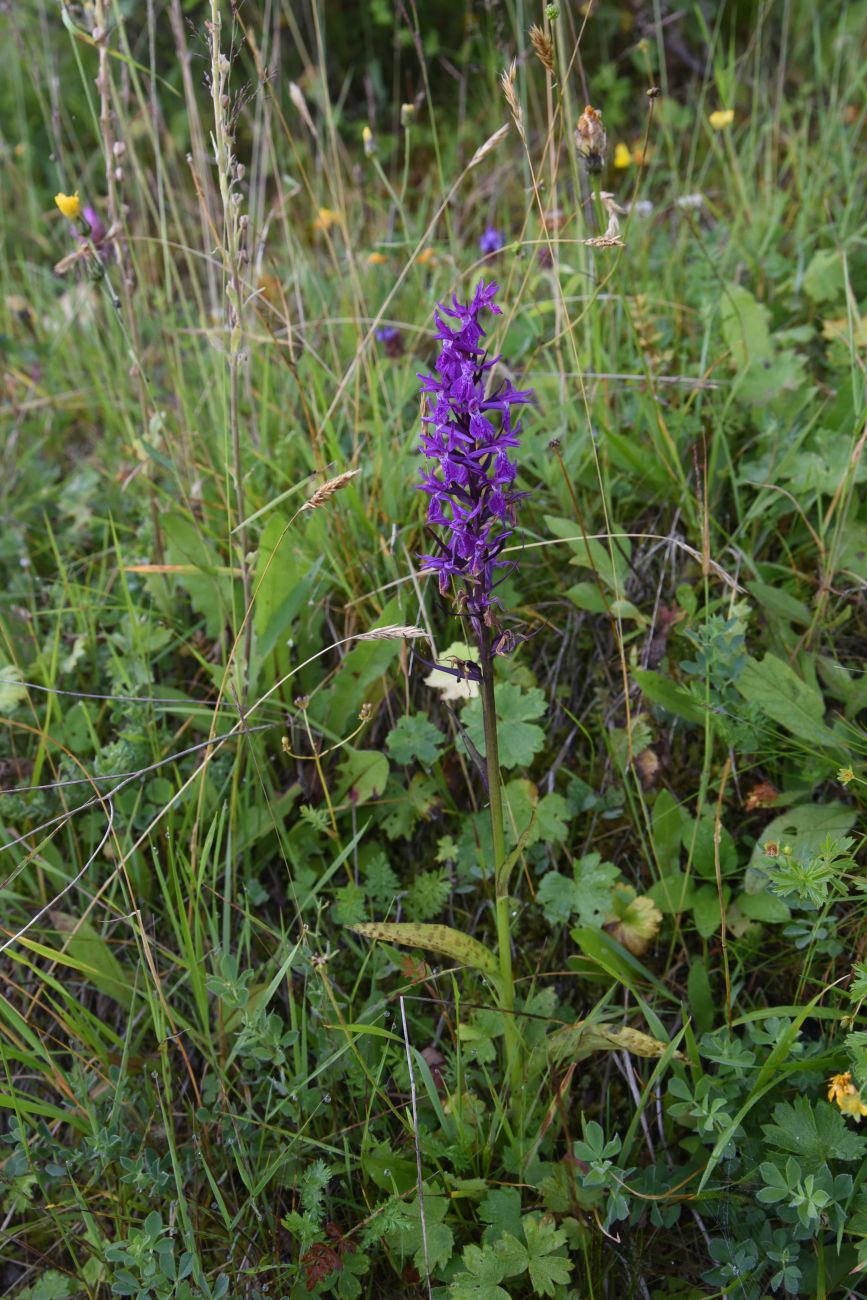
[210, 1085]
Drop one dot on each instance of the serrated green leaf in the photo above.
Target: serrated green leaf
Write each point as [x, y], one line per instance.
[813, 1131]
[547, 1269]
[501, 1211]
[518, 737]
[462, 948]
[407, 1238]
[427, 895]
[414, 738]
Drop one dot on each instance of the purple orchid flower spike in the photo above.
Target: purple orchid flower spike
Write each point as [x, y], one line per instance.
[469, 475]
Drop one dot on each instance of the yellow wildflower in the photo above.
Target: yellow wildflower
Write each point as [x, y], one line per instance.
[722, 118]
[845, 775]
[326, 218]
[369, 141]
[376, 259]
[427, 257]
[622, 156]
[69, 204]
[842, 1090]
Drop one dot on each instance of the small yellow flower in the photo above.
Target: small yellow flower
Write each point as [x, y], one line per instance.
[842, 1090]
[622, 155]
[845, 775]
[69, 204]
[427, 257]
[722, 118]
[326, 218]
[376, 259]
[369, 141]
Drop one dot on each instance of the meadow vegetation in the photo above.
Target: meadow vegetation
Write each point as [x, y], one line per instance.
[283, 1012]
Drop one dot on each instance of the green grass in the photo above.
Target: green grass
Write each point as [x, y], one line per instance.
[209, 1084]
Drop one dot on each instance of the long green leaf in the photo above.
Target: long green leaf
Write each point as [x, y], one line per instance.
[434, 938]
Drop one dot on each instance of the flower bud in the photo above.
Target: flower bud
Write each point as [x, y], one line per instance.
[407, 115]
[591, 140]
[369, 142]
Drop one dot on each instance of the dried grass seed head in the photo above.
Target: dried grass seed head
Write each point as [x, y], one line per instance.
[544, 47]
[326, 490]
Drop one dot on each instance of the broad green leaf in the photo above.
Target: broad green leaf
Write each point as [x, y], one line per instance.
[604, 953]
[208, 584]
[701, 840]
[11, 691]
[359, 671]
[501, 1211]
[587, 596]
[813, 1131]
[668, 819]
[701, 1002]
[414, 738]
[745, 326]
[673, 893]
[824, 279]
[548, 1270]
[407, 1239]
[577, 1041]
[765, 907]
[462, 948]
[776, 689]
[519, 738]
[774, 600]
[363, 775]
[91, 955]
[388, 1169]
[587, 895]
[285, 580]
[663, 692]
[803, 829]
[706, 910]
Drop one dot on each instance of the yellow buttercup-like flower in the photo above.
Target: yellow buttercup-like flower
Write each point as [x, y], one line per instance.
[622, 155]
[326, 218]
[427, 257]
[69, 204]
[722, 118]
[842, 1090]
[376, 259]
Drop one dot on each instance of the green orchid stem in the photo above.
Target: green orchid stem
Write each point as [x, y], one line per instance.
[513, 1047]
